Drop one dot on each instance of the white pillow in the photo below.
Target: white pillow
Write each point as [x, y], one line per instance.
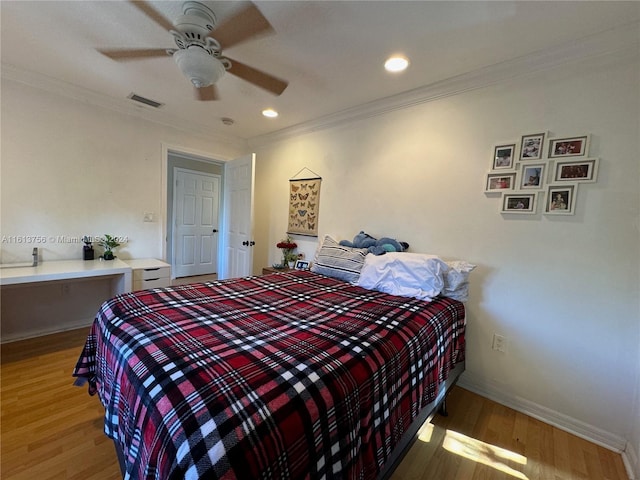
[404, 274]
[456, 280]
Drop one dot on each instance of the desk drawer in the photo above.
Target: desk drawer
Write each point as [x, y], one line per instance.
[151, 283]
[151, 273]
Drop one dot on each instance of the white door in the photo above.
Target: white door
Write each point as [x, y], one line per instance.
[238, 217]
[196, 211]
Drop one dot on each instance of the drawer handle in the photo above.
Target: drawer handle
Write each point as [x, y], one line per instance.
[151, 269]
[152, 279]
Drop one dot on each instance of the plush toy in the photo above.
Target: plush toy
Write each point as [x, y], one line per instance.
[385, 244]
[361, 240]
[377, 247]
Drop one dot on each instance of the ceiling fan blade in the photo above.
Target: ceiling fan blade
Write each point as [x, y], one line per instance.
[152, 13]
[243, 25]
[207, 93]
[258, 78]
[134, 53]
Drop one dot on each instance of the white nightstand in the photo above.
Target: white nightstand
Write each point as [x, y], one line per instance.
[149, 273]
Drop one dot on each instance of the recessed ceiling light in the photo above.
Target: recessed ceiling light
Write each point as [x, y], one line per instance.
[270, 112]
[396, 64]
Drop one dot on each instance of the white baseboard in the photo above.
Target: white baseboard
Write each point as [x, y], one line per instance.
[631, 462]
[24, 335]
[576, 427]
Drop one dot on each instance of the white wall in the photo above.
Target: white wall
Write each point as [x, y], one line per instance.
[562, 290]
[71, 169]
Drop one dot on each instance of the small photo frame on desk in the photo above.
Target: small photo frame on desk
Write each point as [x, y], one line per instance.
[302, 265]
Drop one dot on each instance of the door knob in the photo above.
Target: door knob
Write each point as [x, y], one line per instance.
[252, 243]
[215, 230]
[245, 243]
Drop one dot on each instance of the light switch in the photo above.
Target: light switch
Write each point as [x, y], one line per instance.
[148, 217]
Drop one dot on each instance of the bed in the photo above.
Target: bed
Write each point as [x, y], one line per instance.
[288, 375]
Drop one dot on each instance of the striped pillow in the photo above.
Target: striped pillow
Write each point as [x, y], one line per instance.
[337, 261]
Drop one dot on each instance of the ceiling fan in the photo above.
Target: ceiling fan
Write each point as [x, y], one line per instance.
[200, 43]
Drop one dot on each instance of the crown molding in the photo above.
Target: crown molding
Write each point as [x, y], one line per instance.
[619, 43]
[124, 106]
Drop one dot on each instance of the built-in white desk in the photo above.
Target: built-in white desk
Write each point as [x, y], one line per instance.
[57, 295]
[68, 270]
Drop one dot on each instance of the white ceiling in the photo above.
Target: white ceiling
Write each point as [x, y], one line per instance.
[331, 52]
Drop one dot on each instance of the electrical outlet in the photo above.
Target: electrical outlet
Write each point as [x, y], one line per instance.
[499, 343]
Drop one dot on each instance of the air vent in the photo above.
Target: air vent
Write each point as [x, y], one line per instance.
[146, 101]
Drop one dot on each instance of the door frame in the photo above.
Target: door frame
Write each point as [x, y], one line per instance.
[167, 200]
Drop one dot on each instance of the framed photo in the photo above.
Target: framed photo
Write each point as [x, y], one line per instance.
[519, 202]
[302, 265]
[503, 156]
[569, 147]
[497, 182]
[585, 171]
[561, 199]
[532, 176]
[531, 147]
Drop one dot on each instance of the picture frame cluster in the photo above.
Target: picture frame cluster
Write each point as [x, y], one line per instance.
[538, 166]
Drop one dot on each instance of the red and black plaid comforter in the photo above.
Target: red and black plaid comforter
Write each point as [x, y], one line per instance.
[291, 375]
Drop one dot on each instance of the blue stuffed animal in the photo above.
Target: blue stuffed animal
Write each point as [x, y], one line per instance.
[361, 240]
[385, 244]
[375, 246]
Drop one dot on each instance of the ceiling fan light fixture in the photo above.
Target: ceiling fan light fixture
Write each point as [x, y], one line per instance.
[198, 66]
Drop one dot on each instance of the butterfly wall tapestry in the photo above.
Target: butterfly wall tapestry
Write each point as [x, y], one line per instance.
[304, 202]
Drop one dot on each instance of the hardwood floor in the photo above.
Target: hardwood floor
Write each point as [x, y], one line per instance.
[196, 279]
[481, 439]
[50, 429]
